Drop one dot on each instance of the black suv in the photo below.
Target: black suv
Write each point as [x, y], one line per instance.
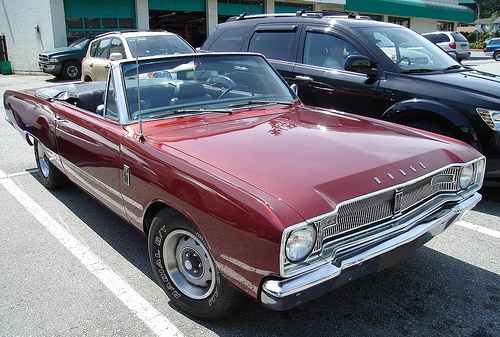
[375, 69]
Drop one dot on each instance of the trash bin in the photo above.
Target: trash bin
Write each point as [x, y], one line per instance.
[5, 67]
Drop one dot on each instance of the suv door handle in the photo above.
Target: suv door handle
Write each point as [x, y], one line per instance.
[304, 78]
[106, 66]
[91, 65]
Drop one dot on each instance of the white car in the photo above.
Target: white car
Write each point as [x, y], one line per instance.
[453, 43]
[122, 45]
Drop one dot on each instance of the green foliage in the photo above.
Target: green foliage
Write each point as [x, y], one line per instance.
[488, 7]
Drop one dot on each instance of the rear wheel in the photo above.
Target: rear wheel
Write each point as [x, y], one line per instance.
[49, 174]
[496, 56]
[186, 270]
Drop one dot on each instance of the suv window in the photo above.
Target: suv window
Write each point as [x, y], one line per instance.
[326, 50]
[438, 38]
[117, 47]
[459, 37]
[273, 44]
[101, 48]
[230, 40]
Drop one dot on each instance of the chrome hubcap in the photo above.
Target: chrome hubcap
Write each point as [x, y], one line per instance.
[72, 71]
[42, 160]
[188, 264]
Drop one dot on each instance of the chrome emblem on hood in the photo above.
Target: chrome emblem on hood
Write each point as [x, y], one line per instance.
[398, 196]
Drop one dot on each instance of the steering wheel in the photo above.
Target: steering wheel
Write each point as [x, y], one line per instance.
[404, 58]
[221, 81]
[238, 86]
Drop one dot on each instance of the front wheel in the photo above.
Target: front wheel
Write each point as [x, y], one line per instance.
[71, 70]
[50, 175]
[496, 56]
[435, 127]
[186, 270]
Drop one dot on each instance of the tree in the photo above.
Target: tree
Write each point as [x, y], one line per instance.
[488, 7]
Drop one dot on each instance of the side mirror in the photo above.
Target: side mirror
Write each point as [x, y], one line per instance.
[295, 88]
[361, 64]
[115, 56]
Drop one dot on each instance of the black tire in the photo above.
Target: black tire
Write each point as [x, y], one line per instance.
[71, 70]
[49, 174]
[496, 56]
[185, 269]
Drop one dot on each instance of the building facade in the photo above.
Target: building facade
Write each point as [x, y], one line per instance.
[30, 26]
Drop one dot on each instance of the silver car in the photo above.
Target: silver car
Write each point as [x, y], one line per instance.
[452, 42]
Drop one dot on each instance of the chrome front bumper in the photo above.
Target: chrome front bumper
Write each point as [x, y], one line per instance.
[283, 294]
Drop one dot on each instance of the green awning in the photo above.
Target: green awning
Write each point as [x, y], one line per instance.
[413, 8]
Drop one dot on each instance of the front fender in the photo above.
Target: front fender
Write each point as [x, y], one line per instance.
[411, 110]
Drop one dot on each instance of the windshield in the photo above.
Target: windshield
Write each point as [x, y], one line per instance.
[158, 45]
[82, 42]
[410, 51]
[198, 84]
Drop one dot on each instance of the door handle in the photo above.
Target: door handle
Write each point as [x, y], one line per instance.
[91, 65]
[106, 66]
[304, 78]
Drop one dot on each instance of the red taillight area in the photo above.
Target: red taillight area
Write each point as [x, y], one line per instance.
[453, 45]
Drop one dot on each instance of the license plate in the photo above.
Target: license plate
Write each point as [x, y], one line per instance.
[396, 255]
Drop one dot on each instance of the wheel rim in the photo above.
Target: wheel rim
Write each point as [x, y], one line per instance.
[72, 71]
[43, 161]
[188, 264]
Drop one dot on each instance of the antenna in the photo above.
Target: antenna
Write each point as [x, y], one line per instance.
[141, 135]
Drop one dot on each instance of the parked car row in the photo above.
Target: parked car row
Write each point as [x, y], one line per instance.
[90, 61]
[243, 188]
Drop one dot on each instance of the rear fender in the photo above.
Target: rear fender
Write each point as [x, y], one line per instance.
[408, 111]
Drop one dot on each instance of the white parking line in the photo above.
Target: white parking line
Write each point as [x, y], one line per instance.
[480, 229]
[151, 317]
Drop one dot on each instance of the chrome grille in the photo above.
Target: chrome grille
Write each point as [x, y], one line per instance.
[372, 209]
[43, 58]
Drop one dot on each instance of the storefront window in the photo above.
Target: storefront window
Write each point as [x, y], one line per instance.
[447, 26]
[400, 21]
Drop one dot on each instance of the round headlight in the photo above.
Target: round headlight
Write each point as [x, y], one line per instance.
[300, 243]
[466, 176]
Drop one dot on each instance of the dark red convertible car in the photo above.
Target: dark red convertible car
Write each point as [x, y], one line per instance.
[239, 187]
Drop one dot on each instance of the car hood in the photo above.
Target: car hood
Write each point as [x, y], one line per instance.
[470, 81]
[62, 50]
[309, 158]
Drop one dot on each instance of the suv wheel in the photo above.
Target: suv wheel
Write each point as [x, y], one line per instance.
[431, 126]
[71, 70]
[496, 56]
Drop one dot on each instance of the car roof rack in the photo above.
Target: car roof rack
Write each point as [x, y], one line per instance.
[132, 31]
[301, 13]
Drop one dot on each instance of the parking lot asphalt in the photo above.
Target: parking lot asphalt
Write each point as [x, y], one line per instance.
[481, 62]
